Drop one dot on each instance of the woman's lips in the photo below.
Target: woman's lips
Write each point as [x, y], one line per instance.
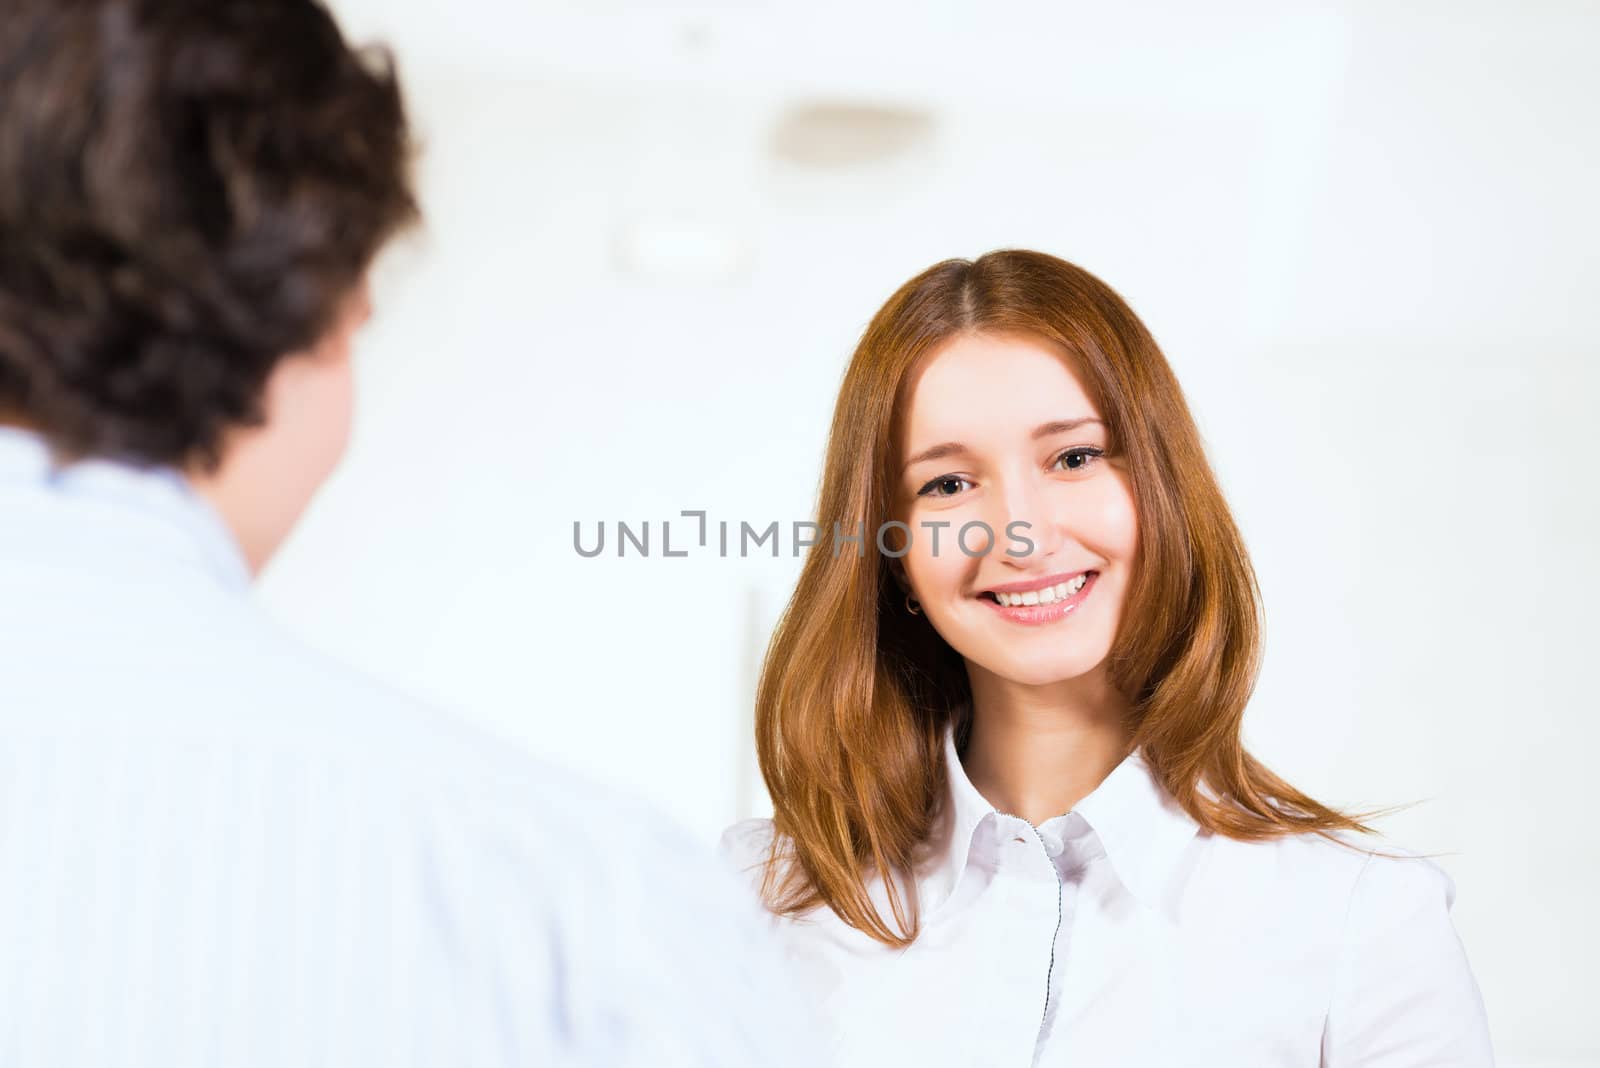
[1036, 614]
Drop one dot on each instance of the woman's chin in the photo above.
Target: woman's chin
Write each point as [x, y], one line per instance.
[1039, 672]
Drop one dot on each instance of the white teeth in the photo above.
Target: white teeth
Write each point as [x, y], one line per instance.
[1048, 595]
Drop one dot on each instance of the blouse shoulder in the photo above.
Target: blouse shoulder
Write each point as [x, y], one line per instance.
[1395, 886]
[744, 847]
[1403, 980]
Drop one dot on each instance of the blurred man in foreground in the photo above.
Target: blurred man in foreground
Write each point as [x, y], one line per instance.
[217, 847]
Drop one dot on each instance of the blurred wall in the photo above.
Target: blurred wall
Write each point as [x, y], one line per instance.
[1365, 237]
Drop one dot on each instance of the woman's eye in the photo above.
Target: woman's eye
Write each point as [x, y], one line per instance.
[944, 486]
[1078, 459]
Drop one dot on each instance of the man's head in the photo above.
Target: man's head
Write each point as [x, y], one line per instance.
[191, 194]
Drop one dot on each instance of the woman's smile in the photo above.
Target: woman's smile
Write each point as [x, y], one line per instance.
[1046, 600]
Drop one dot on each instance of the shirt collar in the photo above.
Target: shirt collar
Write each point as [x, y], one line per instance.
[159, 494]
[1142, 829]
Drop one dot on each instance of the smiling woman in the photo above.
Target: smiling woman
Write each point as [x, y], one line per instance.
[1056, 481]
[1013, 776]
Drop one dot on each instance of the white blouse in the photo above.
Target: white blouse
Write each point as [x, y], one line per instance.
[1122, 934]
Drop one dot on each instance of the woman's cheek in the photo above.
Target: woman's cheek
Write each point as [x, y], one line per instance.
[1112, 529]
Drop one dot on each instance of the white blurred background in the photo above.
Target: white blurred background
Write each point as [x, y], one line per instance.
[1364, 233]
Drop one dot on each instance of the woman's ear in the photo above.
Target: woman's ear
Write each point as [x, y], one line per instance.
[897, 569]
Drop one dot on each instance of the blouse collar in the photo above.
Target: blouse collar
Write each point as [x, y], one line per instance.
[1140, 827]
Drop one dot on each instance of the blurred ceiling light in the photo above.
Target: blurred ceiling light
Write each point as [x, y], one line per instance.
[825, 136]
[678, 249]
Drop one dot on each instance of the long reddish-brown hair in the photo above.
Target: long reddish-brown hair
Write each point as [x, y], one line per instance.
[855, 694]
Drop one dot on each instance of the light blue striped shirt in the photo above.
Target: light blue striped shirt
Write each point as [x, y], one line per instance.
[218, 847]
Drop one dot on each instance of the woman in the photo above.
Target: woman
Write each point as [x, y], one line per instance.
[1013, 820]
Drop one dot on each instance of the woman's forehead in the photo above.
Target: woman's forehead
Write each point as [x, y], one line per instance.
[980, 382]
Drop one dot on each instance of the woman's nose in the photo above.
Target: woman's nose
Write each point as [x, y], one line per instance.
[1023, 517]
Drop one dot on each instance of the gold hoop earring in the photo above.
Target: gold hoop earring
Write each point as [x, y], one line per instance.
[912, 606]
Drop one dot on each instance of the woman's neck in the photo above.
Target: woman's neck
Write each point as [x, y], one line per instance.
[1036, 751]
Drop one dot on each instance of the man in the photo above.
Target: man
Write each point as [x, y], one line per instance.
[217, 847]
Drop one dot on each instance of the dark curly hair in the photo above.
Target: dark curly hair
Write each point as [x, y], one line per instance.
[189, 189]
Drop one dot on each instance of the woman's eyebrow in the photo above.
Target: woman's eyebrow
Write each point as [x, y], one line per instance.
[1061, 426]
[936, 452]
[955, 448]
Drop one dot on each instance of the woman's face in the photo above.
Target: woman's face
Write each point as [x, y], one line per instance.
[999, 430]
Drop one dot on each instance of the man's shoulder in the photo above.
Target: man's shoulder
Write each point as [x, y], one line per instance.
[504, 813]
[216, 678]
[408, 744]
[270, 689]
